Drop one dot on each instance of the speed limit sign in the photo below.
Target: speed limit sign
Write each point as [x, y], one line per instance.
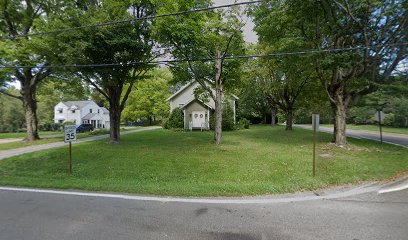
[69, 133]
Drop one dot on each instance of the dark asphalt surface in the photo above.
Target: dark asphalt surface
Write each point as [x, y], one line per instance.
[43, 216]
[393, 138]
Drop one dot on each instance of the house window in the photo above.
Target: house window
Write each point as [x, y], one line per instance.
[98, 110]
[90, 110]
[73, 111]
[60, 110]
[60, 121]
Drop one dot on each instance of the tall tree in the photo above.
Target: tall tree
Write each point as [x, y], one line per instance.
[21, 18]
[378, 27]
[128, 46]
[210, 35]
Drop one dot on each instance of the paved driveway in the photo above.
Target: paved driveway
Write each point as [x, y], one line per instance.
[392, 138]
[19, 151]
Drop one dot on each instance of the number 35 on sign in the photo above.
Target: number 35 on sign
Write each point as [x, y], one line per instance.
[69, 133]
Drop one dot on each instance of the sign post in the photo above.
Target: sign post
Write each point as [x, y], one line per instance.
[315, 126]
[69, 137]
[380, 116]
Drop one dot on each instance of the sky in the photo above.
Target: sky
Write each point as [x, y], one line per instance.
[249, 35]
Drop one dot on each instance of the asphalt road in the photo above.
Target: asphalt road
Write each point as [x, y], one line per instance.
[43, 216]
[393, 138]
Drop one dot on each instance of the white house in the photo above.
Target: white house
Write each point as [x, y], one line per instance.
[196, 112]
[81, 112]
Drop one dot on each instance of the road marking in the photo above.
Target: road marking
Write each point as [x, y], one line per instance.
[249, 200]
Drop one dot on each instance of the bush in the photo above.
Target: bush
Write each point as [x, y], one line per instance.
[50, 127]
[243, 123]
[227, 119]
[175, 120]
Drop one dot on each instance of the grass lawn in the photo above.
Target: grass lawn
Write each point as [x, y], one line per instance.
[261, 160]
[23, 134]
[374, 128]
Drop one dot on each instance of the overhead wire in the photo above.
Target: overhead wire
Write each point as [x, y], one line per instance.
[311, 51]
[131, 20]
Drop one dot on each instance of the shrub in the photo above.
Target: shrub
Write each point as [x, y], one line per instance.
[50, 127]
[227, 119]
[175, 120]
[243, 123]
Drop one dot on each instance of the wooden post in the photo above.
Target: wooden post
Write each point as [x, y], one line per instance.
[379, 123]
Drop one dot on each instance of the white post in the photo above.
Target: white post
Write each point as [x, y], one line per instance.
[185, 117]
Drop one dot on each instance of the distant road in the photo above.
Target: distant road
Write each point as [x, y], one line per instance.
[392, 138]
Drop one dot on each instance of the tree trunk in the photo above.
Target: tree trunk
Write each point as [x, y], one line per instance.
[273, 117]
[114, 115]
[340, 120]
[289, 119]
[30, 109]
[218, 101]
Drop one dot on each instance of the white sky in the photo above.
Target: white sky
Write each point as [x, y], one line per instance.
[249, 35]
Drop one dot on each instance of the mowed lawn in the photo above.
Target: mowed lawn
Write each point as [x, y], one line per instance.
[260, 160]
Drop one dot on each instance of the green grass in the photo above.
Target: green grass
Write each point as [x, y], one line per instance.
[23, 134]
[261, 160]
[374, 128]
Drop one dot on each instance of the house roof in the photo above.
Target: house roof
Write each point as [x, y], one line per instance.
[89, 116]
[185, 87]
[104, 110]
[180, 90]
[198, 100]
[78, 104]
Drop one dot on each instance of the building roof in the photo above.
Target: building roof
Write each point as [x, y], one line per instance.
[78, 104]
[89, 116]
[180, 90]
[188, 85]
[104, 110]
[199, 101]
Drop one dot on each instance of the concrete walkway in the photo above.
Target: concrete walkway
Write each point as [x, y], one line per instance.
[19, 151]
[391, 138]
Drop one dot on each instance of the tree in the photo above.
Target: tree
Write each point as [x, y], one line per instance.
[210, 35]
[128, 46]
[22, 18]
[12, 114]
[377, 27]
[149, 98]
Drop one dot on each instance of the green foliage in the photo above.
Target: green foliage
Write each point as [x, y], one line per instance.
[243, 123]
[68, 123]
[11, 112]
[227, 119]
[149, 99]
[51, 126]
[175, 120]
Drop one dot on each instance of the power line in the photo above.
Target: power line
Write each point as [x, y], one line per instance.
[312, 51]
[130, 20]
